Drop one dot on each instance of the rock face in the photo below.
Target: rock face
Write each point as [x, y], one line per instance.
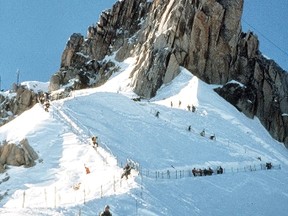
[264, 95]
[199, 35]
[203, 36]
[82, 60]
[17, 155]
[20, 100]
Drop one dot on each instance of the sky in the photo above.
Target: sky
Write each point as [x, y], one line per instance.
[129, 129]
[33, 33]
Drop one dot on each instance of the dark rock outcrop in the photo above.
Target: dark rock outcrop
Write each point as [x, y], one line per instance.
[16, 102]
[265, 95]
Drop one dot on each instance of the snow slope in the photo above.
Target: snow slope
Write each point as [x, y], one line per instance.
[165, 150]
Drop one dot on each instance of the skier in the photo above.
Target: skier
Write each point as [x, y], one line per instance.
[220, 170]
[87, 169]
[106, 211]
[203, 133]
[94, 141]
[127, 171]
[157, 114]
[46, 106]
[193, 108]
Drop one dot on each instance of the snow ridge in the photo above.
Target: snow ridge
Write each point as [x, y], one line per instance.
[128, 129]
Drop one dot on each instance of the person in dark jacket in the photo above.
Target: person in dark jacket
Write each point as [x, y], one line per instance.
[106, 211]
[94, 141]
[127, 171]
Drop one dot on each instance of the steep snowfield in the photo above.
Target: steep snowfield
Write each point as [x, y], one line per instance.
[161, 145]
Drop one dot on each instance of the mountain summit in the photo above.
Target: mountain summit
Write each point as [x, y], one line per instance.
[157, 69]
[203, 36]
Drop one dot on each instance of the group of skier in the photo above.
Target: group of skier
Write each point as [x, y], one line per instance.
[204, 172]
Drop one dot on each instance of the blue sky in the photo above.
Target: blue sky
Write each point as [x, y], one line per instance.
[33, 33]
[268, 19]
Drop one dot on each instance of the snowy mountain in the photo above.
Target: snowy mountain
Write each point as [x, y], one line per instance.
[205, 37]
[162, 147]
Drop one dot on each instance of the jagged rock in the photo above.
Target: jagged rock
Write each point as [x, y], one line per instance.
[61, 94]
[55, 82]
[82, 59]
[72, 47]
[267, 82]
[205, 37]
[2, 168]
[30, 154]
[20, 100]
[201, 35]
[12, 154]
[242, 97]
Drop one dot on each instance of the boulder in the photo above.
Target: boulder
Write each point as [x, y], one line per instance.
[15, 155]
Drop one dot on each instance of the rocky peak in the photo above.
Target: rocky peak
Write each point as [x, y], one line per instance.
[199, 35]
[203, 36]
[82, 58]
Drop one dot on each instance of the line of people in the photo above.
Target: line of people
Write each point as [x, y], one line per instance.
[205, 172]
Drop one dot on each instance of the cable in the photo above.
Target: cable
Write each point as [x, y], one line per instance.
[283, 51]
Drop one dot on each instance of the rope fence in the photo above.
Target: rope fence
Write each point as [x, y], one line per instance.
[53, 196]
[184, 173]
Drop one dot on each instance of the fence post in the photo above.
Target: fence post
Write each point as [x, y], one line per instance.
[55, 197]
[84, 196]
[114, 184]
[101, 192]
[45, 195]
[140, 171]
[136, 207]
[23, 204]
[176, 174]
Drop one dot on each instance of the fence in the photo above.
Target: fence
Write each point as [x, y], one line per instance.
[81, 130]
[54, 196]
[184, 173]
